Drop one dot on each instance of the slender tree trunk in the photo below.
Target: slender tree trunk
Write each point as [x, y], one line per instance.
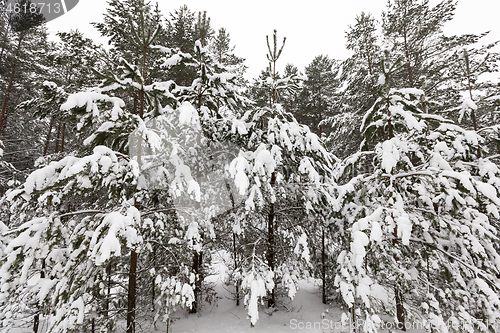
[235, 268]
[235, 249]
[400, 310]
[108, 300]
[36, 319]
[132, 292]
[197, 264]
[271, 243]
[323, 265]
[469, 84]
[353, 316]
[198, 256]
[153, 287]
[4, 113]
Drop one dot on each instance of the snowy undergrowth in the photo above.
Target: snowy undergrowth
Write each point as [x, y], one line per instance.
[305, 313]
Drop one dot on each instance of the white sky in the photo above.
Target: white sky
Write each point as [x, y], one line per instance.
[312, 27]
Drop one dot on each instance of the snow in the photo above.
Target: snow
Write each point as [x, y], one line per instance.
[173, 60]
[411, 91]
[263, 161]
[305, 313]
[237, 170]
[410, 121]
[360, 240]
[87, 99]
[381, 79]
[188, 114]
[391, 153]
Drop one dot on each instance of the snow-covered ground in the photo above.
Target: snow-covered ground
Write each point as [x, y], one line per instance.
[305, 313]
[225, 316]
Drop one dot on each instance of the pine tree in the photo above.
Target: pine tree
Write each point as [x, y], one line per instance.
[421, 226]
[22, 23]
[181, 36]
[107, 198]
[318, 96]
[283, 173]
[413, 29]
[23, 65]
[359, 79]
[202, 29]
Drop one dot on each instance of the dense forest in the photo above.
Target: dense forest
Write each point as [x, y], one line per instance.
[124, 167]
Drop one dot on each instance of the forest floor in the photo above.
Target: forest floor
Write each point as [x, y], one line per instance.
[305, 313]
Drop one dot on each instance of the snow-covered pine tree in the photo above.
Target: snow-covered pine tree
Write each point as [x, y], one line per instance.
[419, 232]
[284, 173]
[216, 101]
[92, 216]
[318, 96]
[358, 77]
[25, 26]
[479, 105]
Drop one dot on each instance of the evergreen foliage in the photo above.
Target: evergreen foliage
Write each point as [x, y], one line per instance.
[125, 169]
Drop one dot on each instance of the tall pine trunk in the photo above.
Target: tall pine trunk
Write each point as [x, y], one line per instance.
[58, 136]
[36, 319]
[323, 265]
[108, 299]
[400, 310]
[132, 282]
[271, 243]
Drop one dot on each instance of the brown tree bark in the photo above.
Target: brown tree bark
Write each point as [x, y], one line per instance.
[132, 282]
[36, 319]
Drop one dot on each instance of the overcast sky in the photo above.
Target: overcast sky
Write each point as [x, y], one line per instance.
[312, 27]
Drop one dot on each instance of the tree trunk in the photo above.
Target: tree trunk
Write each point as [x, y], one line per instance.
[36, 319]
[323, 265]
[153, 280]
[400, 310]
[4, 113]
[270, 245]
[197, 264]
[235, 268]
[108, 300]
[131, 293]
